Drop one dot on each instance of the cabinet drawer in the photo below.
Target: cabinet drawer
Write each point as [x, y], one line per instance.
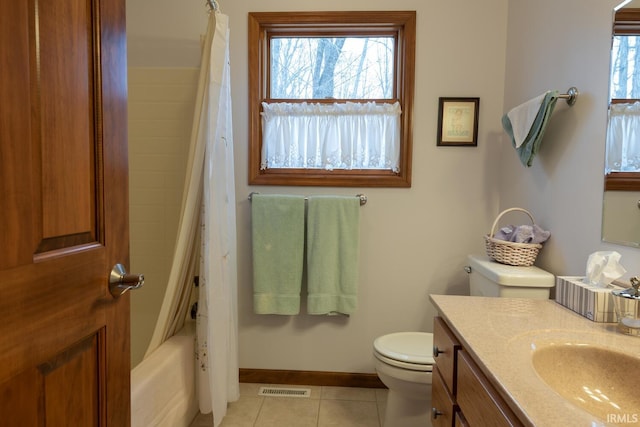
[478, 399]
[445, 349]
[442, 406]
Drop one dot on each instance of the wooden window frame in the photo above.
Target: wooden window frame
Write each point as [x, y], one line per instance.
[622, 181]
[402, 23]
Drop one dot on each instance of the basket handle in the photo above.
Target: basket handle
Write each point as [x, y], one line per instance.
[493, 227]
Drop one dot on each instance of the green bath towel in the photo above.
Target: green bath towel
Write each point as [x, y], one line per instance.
[278, 248]
[332, 254]
[530, 146]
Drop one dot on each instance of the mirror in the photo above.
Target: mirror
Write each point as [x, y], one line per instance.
[621, 201]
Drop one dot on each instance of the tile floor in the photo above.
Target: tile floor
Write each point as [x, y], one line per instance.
[326, 407]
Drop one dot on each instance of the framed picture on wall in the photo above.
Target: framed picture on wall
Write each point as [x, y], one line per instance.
[458, 121]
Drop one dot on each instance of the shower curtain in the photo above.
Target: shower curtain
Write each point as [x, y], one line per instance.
[207, 234]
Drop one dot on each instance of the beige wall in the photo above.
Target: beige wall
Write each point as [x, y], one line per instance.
[161, 103]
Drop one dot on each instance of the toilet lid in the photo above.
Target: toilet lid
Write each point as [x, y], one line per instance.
[408, 347]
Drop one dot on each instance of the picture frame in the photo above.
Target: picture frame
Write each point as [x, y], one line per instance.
[458, 121]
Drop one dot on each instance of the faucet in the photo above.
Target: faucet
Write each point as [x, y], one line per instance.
[635, 283]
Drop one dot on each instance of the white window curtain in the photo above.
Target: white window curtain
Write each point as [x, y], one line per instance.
[623, 138]
[331, 136]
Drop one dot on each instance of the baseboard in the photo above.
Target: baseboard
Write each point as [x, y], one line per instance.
[338, 379]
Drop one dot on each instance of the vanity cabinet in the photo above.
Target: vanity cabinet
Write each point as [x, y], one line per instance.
[443, 378]
[461, 394]
[442, 405]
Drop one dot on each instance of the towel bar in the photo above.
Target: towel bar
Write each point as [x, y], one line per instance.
[362, 197]
[213, 5]
[570, 96]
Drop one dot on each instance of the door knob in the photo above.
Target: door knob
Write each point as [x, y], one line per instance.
[435, 413]
[120, 281]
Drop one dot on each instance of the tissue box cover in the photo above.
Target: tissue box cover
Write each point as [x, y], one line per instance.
[593, 302]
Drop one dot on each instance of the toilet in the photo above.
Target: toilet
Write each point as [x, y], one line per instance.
[404, 360]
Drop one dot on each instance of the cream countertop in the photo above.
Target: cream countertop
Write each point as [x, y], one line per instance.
[501, 335]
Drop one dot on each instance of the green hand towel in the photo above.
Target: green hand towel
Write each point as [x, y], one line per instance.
[332, 254]
[531, 145]
[278, 248]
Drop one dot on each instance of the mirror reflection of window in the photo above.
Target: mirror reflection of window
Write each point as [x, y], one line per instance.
[623, 132]
[621, 202]
[625, 67]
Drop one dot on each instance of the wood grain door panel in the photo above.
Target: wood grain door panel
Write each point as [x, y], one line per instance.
[18, 207]
[66, 110]
[51, 129]
[64, 390]
[64, 340]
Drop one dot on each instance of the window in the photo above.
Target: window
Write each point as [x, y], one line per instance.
[331, 98]
[623, 151]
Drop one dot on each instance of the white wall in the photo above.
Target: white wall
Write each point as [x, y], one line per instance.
[621, 217]
[165, 33]
[554, 45]
[414, 241]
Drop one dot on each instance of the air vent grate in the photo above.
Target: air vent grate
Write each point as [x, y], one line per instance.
[284, 392]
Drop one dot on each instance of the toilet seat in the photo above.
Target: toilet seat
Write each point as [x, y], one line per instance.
[406, 350]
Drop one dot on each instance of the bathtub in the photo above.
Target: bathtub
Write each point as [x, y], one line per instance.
[163, 389]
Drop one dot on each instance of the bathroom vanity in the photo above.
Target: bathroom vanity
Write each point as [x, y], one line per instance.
[525, 362]
[460, 391]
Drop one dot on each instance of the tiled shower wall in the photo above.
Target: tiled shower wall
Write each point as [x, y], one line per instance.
[161, 105]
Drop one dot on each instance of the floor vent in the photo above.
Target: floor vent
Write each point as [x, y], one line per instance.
[284, 392]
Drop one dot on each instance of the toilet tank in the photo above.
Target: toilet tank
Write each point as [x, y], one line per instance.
[491, 279]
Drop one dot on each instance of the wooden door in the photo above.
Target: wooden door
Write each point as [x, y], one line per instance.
[64, 340]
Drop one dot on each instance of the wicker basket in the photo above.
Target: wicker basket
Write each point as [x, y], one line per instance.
[512, 253]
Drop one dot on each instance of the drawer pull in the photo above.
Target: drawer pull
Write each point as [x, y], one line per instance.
[435, 413]
[437, 351]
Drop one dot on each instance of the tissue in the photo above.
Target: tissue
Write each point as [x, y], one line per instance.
[603, 268]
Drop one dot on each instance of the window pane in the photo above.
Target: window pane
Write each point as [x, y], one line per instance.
[332, 67]
[625, 67]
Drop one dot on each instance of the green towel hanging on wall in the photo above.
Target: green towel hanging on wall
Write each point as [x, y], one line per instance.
[332, 254]
[531, 144]
[278, 247]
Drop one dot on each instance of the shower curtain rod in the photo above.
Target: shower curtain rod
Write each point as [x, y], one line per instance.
[362, 197]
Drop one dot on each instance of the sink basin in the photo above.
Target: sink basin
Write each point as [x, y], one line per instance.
[600, 381]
